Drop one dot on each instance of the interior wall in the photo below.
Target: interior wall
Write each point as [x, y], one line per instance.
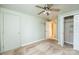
[0, 31]
[32, 28]
[60, 30]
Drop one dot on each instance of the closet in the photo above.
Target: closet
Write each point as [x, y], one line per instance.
[9, 30]
[68, 29]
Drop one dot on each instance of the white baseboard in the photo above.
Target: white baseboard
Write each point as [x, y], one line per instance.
[68, 42]
[59, 43]
[27, 44]
[32, 42]
[76, 48]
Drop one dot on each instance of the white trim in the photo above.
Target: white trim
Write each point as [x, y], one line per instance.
[76, 48]
[60, 17]
[32, 42]
[59, 43]
[72, 12]
[68, 42]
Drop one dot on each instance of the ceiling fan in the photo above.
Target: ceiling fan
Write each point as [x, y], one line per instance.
[46, 9]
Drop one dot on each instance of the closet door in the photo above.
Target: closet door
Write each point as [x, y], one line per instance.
[11, 31]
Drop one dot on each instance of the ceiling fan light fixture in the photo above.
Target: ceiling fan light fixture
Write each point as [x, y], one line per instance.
[46, 12]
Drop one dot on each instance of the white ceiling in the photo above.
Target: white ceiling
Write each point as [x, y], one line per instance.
[31, 9]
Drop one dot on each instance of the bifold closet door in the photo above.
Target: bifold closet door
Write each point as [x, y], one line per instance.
[11, 31]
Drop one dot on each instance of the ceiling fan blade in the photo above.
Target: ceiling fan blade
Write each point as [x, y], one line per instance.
[39, 7]
[41, 12]
[54, 9]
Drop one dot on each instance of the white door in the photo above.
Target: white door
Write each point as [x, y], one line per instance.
[76, 32]
[11, 31]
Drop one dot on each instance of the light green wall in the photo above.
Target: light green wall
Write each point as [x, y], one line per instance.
[34, 28]
[0, 31]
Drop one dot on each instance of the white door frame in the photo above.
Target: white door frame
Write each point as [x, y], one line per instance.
[47, 30]
[60, 30]
[61, 20]
[72, 29]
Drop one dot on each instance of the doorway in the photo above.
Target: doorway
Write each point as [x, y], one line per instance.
[51, 30]
[68, 30]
